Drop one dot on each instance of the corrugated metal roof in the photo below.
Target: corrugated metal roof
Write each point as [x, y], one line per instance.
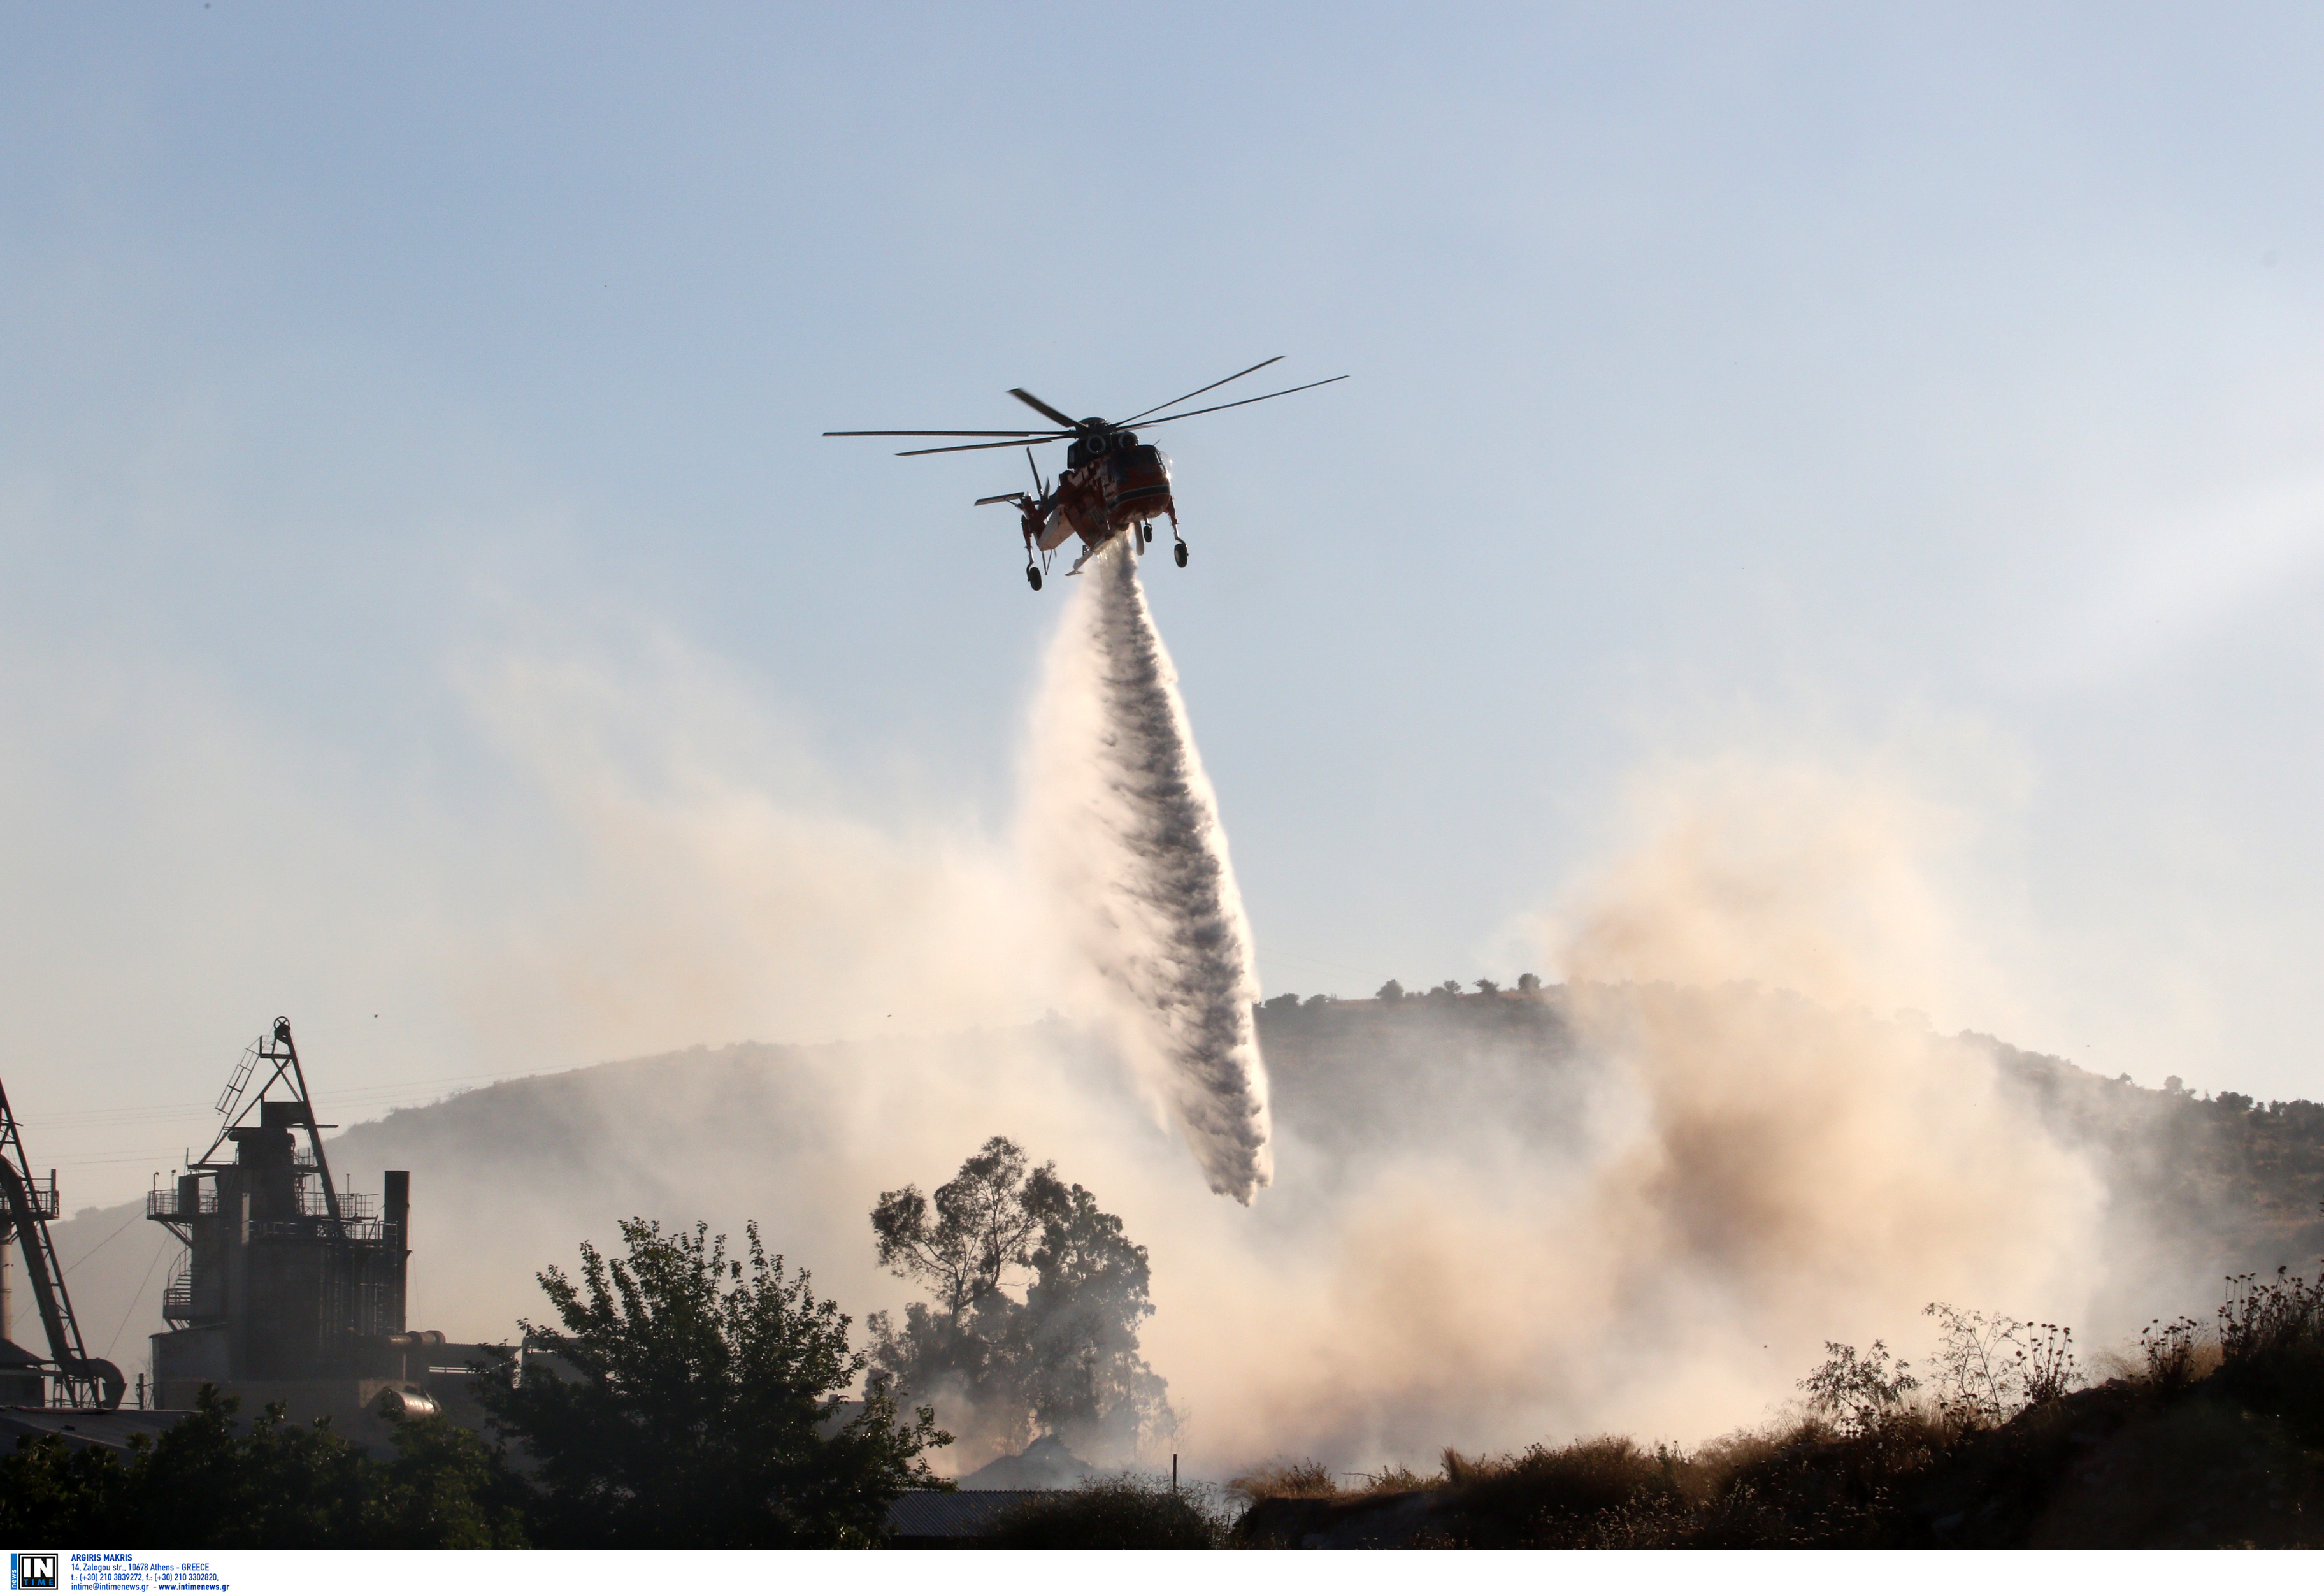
[954, 1514]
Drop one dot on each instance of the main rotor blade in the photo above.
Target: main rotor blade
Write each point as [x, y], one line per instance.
[935, 434]
[1277, 393]
[962, 448]
[1059, 416]
[1198, 393]
[1002, 498]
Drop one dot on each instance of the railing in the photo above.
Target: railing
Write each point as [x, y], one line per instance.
[354, 1206]
[178, 1293]
[163, 1203]
[317, 1227]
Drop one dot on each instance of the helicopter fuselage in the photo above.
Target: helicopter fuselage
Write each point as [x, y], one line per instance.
[1112, 482]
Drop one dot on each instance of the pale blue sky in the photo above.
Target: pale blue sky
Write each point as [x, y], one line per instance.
[1938, 386]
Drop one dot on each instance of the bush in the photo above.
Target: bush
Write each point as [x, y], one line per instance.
[1305, 1480]
[277, 1485]
[1128, 1512]
[2271, 1348]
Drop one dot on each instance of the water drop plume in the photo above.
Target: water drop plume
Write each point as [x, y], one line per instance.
[1125, 827]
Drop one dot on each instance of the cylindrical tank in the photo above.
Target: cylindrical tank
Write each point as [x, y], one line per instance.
[399, 1402]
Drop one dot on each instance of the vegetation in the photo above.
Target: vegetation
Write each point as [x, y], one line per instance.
[210, 1481]
[683, 1398]
[1064, 1359]
[2214, 1437]
[709, 1408]
[1124, 1512]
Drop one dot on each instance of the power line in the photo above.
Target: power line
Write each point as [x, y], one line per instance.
[137, 1294]
[101, 1245]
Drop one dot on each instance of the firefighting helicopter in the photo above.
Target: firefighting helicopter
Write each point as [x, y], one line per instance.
[1112, 484]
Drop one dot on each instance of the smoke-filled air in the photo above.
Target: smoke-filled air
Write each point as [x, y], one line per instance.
[1640, 1198]
[1124, 828]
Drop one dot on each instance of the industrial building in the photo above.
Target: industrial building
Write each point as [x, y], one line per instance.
[291, 1287]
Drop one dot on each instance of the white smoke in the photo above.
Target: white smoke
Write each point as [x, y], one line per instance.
[1646, 1212]
[1124, 828]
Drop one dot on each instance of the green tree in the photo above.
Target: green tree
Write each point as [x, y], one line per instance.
[709, 1408]
[1062, 1361]
[444, 1490]
[1082, 1373]
[280, 1484]
[51, 1494]
[978, 1226]
[209, 1482]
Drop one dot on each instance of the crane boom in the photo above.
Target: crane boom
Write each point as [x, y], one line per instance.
[82, 1380]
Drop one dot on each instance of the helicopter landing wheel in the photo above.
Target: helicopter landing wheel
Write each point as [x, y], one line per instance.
[1179, 553]
[1033, 576]
[1146, 535]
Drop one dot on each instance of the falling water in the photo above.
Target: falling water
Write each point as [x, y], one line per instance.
[1128, 827]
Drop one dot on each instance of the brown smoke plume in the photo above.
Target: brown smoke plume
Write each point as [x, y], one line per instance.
[1471, 1240]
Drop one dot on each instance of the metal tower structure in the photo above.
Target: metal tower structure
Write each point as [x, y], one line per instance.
[234, 1103]
[285, 1276]
[25, 1209]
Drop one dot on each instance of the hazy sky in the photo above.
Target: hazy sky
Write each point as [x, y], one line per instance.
[409, 480]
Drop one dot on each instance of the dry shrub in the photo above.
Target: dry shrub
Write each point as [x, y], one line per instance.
[1549, 1495]
[2207, 1437]
[1282, 1479]
[2178, 1354]
[2271, 1347]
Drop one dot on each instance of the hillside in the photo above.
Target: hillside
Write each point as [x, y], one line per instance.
[2197, 1180]
[1380, 1110]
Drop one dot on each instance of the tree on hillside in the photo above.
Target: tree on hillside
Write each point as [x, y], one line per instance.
[1393, 991]
[1064, 1359]
[709, 1409]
